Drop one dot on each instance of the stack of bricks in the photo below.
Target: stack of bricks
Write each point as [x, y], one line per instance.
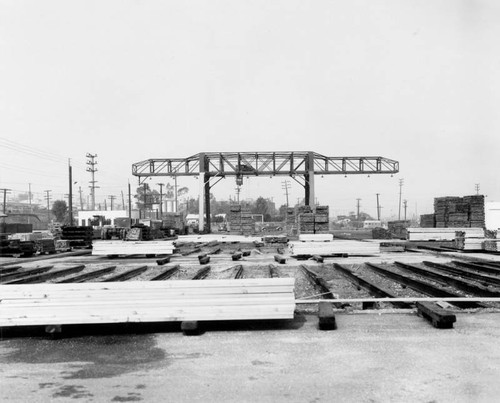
[240, 220]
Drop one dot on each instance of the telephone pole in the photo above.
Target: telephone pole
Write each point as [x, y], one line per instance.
[238, 190]
[92, 169]
[70, 196]
[286, 185]
[378, 207]
[477, 188]
[123, 201]
[47, 196]
[405, 206]
[401, 181]
[111, 198]
[358, 206]
[81, 200]
[161, 198]
[5, 191]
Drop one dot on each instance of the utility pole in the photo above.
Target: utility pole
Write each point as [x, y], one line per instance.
[405, 206]
[105, 205]
[81, 200]
[129, 205]
[378, 207]
[92, 169]
[29, 195]
[47, 196]
[238, 190]
[358, 206]
[401, 181]
[145, 191]
[286, 185]
[111, 198]
[123, 201]
[175, 192]
[477, 188]
[161, 198]
[70, 196]
[5, 191]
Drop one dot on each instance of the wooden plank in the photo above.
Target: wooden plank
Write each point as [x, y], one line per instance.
[439, 317]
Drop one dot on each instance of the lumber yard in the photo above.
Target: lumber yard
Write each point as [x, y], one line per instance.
[302, 277]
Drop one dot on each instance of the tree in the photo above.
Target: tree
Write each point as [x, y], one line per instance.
[152, 197]
[60, 209]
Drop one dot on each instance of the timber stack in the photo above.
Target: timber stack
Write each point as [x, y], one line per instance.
[78, 237]
[241, 221]
[459, 212]
[313, 222]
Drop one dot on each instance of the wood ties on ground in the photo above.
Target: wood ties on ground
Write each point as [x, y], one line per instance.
[88, 276]
[39, 278]
[326, 317]
[318, 281]
[374, 288]
[146, 301]
[439, 317]
[127, 275]
[424, 287]
[167, 273]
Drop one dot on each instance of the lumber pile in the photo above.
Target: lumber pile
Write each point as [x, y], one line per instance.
[9, 247]
[78, 237]
[398, 228]
[427, 220]
[146, 301]
[491, 245]
[240, 220]
[459, 212]
[173, 221]
[381, 233]
[316, 237]
[442, 234]
[310, 222]
[336, 247]
[124, 248]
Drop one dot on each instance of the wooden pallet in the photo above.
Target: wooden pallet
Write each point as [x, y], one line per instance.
[142, 301]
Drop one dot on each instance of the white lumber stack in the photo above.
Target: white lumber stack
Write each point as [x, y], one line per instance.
[141, 301]
[226, 238]
[316, 237]
[106, 248]
[442, 234]
[335, 247]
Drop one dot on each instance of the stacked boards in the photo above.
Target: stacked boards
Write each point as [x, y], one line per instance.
[142, 301]
[332, 248]
[442, 234]
[78, 236]
[310, 222]
[459, 212]
[124, 248]
[240, 220]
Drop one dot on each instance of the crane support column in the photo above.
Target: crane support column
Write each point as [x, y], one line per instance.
[309, 181]
[201, 198]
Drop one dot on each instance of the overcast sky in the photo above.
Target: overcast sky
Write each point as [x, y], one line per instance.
[413, 81]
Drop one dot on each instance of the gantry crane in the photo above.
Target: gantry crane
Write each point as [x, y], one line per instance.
[211, 167]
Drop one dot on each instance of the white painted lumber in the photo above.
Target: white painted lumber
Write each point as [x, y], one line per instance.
[315, 237]
[104, 248]
[335, 247]
[44, 304]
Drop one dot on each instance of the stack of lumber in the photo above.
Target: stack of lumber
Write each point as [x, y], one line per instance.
[10, 247]
[381, 233]
[469, 240]
[78, 236]
[476, 210]
[442, 234]
[123, 248]
[144, 301]
[315, 237]
[321, 220]
[492, 245]
[427, 220]
[174, 221]
[398, 228]
[337, 247]
[240, 220]
[46, 246]
[62, 245]
[459, 212]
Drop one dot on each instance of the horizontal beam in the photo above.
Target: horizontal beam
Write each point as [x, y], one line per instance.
[264, 163]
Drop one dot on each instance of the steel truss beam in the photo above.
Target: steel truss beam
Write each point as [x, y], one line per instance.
[264, 163]
[300, 164]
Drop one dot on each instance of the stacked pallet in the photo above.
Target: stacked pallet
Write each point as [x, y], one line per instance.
[441, 234]
[476, 210]
[79, 237]
[337, 247]
[313, 223]
[427, 220]
[124, 248]
[147, 301]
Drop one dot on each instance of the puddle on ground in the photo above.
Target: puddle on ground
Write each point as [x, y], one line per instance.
[92, 356]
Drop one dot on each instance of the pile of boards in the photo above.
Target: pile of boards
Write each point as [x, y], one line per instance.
[123, 248]
[324, 245]
[143, 301]
[310, 222]
[442, 234]
[459, 212]
[240, 220]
